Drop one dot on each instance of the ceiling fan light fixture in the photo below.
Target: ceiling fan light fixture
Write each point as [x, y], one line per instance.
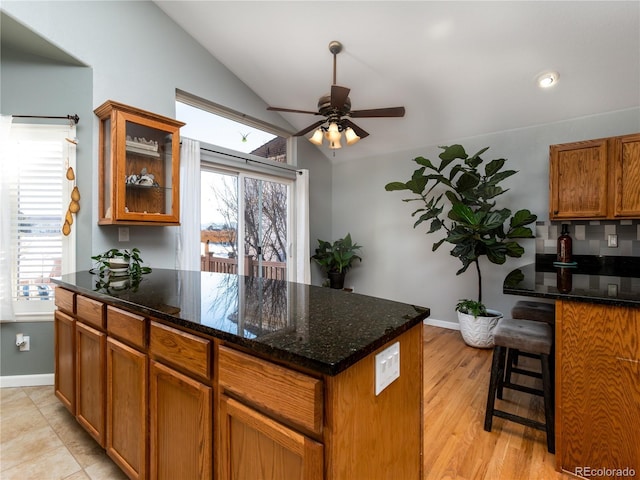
[333, 133]
[335, 144]
[351, 136]
[316, 138]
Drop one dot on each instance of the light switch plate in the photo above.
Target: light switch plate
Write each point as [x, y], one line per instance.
[387, 367]
[612, 240]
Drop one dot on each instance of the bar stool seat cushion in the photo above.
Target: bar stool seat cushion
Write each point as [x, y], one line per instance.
[530, 310]
[524, 335]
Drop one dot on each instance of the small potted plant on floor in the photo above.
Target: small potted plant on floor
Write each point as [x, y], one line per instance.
[458, 197]
[336, 258]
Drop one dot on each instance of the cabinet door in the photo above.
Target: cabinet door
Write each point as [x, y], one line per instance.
[90, 380]
[253, 446]
[627, 176]
[598, 393]
[65, 360]
[139, 166]
[181, 426]
[127, 408]
[578, 180]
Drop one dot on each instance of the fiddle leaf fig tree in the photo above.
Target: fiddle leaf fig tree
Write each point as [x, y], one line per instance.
[458, 196]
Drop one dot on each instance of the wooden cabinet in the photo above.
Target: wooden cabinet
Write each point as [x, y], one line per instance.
[275, 422]
[65, 359]
[595, 179]
[139, 182]
[181, 425]
[579, 183]
[127, 392]
[253, 445]
[90, 380]
[267, 433]
[180, 406]
[167, 391]
[597, 387]
[627, 176]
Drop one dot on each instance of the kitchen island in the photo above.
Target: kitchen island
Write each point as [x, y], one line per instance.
[597, 355]
[188, 374]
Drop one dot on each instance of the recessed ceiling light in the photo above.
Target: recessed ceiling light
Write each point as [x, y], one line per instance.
[548, 79]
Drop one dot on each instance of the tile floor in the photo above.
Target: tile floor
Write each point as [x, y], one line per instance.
[40, 440]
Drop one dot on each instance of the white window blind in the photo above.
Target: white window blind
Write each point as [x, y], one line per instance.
[39, 195]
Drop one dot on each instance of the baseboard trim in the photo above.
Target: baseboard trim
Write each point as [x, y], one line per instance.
[26, 380]
[434, 322]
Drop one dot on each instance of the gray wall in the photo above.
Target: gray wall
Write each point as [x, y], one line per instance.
[112, 38]
[33, 85]
[397, 260]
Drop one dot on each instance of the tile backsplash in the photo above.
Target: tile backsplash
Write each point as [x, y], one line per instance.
[590, 237]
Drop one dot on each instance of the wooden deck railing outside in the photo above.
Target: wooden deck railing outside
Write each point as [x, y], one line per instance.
[272, 270]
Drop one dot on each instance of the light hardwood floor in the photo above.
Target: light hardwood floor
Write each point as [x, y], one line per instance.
[40, 440]
[456, 381]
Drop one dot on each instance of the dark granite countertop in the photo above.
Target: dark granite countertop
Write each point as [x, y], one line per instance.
[602, 280]
[318, 328]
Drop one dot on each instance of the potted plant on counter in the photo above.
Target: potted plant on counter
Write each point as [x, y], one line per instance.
[336, 258]
[115, 260]
[458, 197]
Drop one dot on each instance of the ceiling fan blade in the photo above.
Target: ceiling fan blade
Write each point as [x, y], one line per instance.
[309, 128]
[359, 131]
[339, 96]
[278, 109]
[378, 112]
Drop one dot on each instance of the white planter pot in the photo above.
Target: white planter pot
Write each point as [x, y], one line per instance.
[478, 331]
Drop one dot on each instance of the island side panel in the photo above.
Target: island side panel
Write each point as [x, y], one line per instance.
[597, 387]
[377, 437]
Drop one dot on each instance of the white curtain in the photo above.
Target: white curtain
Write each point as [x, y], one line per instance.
[188, 242]
[6, 305]
[303, 262]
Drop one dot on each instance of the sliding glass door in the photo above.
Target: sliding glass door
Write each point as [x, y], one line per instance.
[263, 225]
[266, 227]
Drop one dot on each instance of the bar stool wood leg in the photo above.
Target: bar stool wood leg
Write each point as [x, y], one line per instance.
[495, 384]
[549, 406]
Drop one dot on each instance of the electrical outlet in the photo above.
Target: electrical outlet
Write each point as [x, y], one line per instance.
[26, 344]
[612, 240]
[387, 367]
[123, 234]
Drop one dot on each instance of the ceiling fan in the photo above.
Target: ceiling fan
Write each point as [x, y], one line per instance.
[336, 108]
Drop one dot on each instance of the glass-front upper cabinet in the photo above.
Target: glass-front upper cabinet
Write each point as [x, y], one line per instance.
[139, 170]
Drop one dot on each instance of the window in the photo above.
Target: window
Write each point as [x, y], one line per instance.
[35, 196]
[218, 126]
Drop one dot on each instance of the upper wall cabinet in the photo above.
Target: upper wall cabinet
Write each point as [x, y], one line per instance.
[627, 176]
[139, 170]
[595, 179]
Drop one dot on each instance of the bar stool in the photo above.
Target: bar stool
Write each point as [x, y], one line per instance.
[527, 336]
[530, 310]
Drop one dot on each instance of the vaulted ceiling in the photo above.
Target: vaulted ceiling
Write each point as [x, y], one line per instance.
[460, 68]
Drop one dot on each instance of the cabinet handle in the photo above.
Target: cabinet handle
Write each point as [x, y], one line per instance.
[555, 212]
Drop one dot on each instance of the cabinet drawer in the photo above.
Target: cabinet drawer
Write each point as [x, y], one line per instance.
[91, 312]
[65, 300]
[127, 326]
[181, 349]
[288, 394]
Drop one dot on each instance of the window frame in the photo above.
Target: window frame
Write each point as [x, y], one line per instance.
[42, 310]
